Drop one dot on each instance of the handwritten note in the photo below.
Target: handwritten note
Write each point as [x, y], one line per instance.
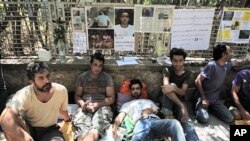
[124, 43]
[79, 42]
[191, 28]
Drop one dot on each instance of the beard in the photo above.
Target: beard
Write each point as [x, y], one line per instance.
[45, 88]
[136, 95]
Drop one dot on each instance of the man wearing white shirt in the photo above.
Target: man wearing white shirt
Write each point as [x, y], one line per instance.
[103, 20]
[124, 28]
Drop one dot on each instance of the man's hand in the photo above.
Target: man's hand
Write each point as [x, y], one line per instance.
[83, 106]
[93, 106]
[245, 115]
[115, 130]
[204, 103]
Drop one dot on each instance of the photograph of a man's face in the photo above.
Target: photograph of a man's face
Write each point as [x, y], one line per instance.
[124, 22]
[124, 16]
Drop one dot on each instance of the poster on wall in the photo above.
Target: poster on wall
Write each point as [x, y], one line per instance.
[100, 17]
[100, 27]
[101, 38]
[124, 29]
[234, 26]
[149, 18]
[79, 42]
[78, 19]
[191, 28]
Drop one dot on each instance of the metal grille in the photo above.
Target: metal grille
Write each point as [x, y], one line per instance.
[26, 27]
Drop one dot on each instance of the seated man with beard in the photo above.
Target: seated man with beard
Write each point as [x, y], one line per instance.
[32, 113]
[147, 125]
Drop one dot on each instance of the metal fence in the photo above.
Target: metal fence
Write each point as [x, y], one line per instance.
[26, 27]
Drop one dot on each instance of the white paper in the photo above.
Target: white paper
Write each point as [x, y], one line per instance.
[124, 43]
[79, 42]
[121, 62]
[129, 58]
[191, 29]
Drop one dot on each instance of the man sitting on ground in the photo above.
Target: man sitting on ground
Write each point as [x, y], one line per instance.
[148, 126]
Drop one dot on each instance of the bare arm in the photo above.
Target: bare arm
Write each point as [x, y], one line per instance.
[181, 91]
[117, 123]
[234, 91]
[14, 126]
[65, 116]
[78, 97]
[110, 97]
[198, 83]
[168, 88]
[171, 91]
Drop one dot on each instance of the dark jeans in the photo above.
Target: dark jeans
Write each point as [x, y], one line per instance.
[46, 133]
[187, 126]
[217, 108]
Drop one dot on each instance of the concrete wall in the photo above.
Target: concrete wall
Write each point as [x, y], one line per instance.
[66, 73]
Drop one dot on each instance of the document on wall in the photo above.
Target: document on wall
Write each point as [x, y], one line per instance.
[79, 42]
[124, 29]
[153, 18]
[78, 19]
[234, 26]
[191, 28]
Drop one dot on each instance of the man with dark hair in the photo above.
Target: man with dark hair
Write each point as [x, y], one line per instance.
[124, 28]
[209, 84]
[32, 113]
[94, 94]
[241, 95]
[136, 93]
[147, 125]
[176, 79]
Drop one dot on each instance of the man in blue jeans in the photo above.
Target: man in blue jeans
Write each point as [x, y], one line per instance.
[176, 79]
[209, 84]
[147, 125]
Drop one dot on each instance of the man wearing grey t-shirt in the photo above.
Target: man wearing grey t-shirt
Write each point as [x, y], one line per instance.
[94, 94]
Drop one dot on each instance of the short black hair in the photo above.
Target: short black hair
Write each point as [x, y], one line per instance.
[36, 67]
[97, 56]
[133, 82]
[177, 51]
[218, 51]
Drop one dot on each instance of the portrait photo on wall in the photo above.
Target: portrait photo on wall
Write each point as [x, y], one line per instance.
[101, 38]
[78, 19]
[100, 17]
[124, 22]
